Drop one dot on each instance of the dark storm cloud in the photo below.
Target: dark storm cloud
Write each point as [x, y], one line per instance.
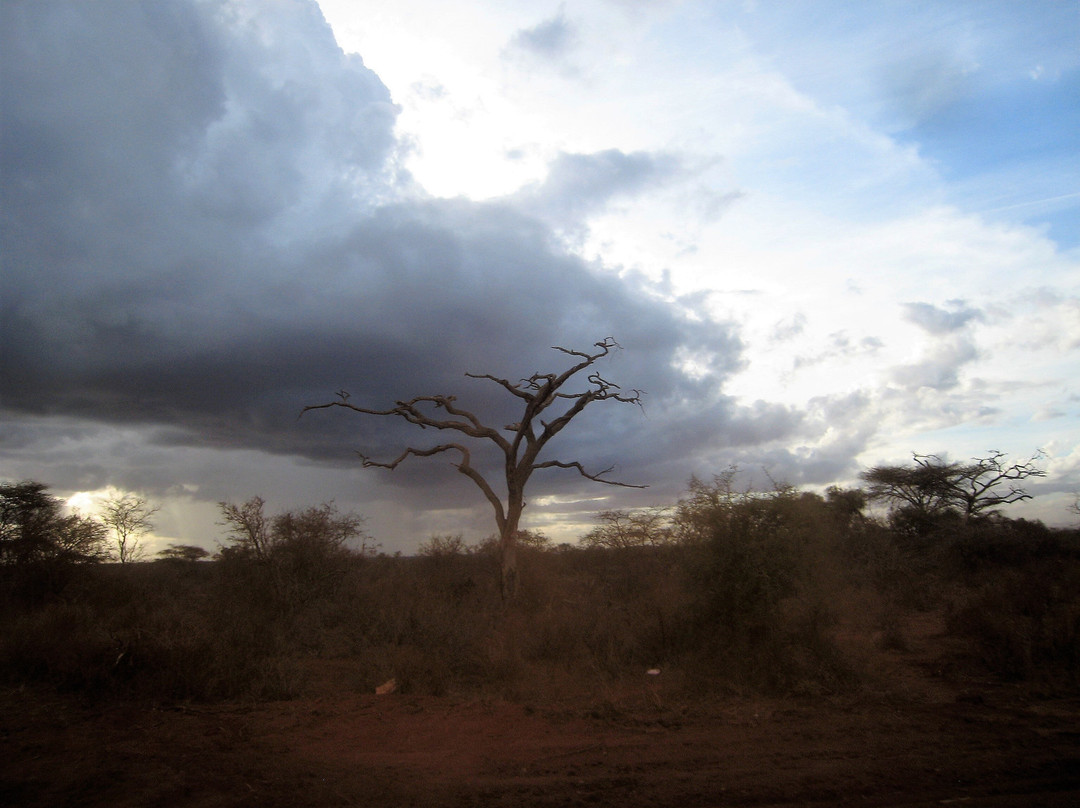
[206, 228]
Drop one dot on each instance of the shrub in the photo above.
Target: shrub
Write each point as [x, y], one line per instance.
[294, 557]
[443, 546]
[152, 630]
[1025, 621]
[742, 599]
[997, 541]
[761, 566]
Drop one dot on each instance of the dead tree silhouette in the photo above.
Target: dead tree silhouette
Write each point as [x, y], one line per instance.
[521, 450]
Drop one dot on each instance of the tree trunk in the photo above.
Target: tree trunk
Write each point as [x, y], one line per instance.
[508, 553]
[508, 548]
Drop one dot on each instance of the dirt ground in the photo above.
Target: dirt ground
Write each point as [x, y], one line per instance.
[920, 736]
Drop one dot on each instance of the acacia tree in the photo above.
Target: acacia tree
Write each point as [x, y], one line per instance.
[128, 517]
[618, 530]
[931, 487]
[248, 527]
[520, 443]
[183, 552]
[40, 544]
[925, 487]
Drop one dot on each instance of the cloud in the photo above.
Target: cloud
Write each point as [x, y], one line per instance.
[813, 446]
[578, 185]
[216, 232]
[429, 89]
[937, 321]
[940, 367]
[789, 328]
[551, 39]
[840, 345]
[1048, 321]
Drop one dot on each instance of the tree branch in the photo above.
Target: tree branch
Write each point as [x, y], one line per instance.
[465, 467]
[505, 383]
[469, 425]
[598, 477]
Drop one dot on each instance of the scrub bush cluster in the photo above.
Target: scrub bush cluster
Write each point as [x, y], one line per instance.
[729, 590]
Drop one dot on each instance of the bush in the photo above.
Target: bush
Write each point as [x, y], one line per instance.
[159, 631]
[998, 542]
[443, 546]
[761, 567]
[1025, 622]
[293, 558]
[742, 598]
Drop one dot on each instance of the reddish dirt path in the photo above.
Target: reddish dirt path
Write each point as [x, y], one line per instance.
[925, 741]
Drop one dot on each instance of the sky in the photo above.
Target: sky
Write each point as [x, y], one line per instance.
[826, 235]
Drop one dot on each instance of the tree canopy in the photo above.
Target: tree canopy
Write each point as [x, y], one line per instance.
[34, 527]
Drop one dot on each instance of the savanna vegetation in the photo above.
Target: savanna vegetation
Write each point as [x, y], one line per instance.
[727, 591]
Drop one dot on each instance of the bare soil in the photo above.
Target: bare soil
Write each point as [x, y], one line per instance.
[922, 734]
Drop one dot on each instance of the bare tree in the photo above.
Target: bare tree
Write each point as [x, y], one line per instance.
[248, 527]
[522, 446]
[989, 482]
[127, 516]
